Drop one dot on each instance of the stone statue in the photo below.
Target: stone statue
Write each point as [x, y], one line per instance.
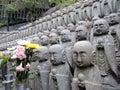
[44, 23]
[59, 29]
[87, 9]
[42, 80]
[46, 32]
[81, 33]
[53, 38]
[105, 50]
[72, 27]
[106, 7]
[86, 74]
[96, 9]
[60, 76]
[67, 44]
[54, 20]
[49, 24]
[72, 15]
[113, 20]
[65, 17]
[81, 23]
[116, 5]
[59, 18]
[44, 40]
[40, 25]
[115, 32]
[65, 38]
[78, 11]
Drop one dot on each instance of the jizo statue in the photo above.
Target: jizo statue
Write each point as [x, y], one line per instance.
[44, 40]
[59, 18]
[53, 38]
[72, 15]
[81, 33]
[87, 9]
[67, 44]
[65, 38]
[105, 50]
[86, 74]
[115, 32]
[96, 9]
[72, 27]
[43, 69]
[65, 17]
[54, 20]
[78, 11]
[106, 7]
[60, 76]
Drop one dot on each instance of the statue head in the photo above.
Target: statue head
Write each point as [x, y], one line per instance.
[36, 39]
[83, 55]
[100, 27]
[46, 32]
[44, 40]
[53, 38]
[113, 18]
[54, 30]
[57, 54]
[65, 35]
[59, 29]
[81, 23]
[81, 33]
[71, 27]
[43, 54]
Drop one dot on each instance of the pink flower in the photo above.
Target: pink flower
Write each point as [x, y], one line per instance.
[20, 49]
[20, 55]
[28, 65]
[20, 68]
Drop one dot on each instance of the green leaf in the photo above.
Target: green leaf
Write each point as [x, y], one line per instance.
[3, 61]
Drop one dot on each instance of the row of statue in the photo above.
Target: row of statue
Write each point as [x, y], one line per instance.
[83, 10]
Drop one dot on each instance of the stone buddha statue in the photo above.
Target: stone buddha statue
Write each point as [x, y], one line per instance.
[54, 20]
[65, 16]
[65, 38]
[71, 14]
[81, 33]
[96, 9]
[53, 38]
[87, 9]
[48, 22]
[106, 7]
[42, 80]
[78, 11]
[105, 50]
[59, 18]
[86, 73]
[60, 76]
[44, 40]
[72, 27]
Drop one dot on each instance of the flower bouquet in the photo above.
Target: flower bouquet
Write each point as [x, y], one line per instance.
[22, 57]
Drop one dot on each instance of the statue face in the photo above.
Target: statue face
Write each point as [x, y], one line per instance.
[81, 33]
[53, 38]
[113, 18]
[65, 35]
[82, 54]
[44, 40]
[43, 54]
[100, 27]
[56, 54]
